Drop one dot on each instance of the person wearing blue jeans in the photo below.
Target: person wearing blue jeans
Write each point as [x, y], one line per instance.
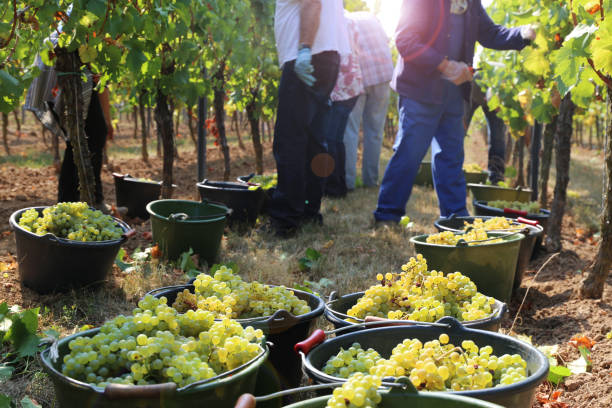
[496, 131]
[435, 40]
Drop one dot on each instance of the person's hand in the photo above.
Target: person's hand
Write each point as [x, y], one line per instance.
[528, 32]
[110, 132]
[455, 72]
[303, 66]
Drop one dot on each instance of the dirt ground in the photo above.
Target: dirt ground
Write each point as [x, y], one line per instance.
[551, 312]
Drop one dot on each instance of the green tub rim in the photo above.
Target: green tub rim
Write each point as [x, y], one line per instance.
[202, 385]
[517, 236]
[188, 221]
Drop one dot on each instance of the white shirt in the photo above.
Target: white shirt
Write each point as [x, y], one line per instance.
[331, 36]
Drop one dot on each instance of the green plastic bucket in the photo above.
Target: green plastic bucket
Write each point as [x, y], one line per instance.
[490, 266]
[179, 225]
[424, 176]
[341, 304]
[219, 392]
[383, 340]
[483, 192]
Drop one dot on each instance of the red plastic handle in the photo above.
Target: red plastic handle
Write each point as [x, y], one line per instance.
[533, 223]
[513, 211]
[245, 401]
[317, 337]
[130, 233]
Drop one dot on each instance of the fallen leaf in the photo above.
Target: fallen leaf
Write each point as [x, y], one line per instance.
[328, 244]
[578, 341]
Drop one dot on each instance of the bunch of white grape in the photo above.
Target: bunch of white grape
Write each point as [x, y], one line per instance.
[493, 224]
[74, 221]
[422, 295]
[470, 236]
[157, 345]
[440, 366]
[354, 359]
[226, 295]
[532, 207]
[359, 391]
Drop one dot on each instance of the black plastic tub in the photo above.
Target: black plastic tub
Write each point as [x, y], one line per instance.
[267, 192]
[245, 203]
[135, 194]
[527, 248]
[282, 329]
[383, 340]
[218, 392]
[342, 304]
[481, 208]
[51, 264]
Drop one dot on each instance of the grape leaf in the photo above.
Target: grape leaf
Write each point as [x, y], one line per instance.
[5, 401]
[557, 374]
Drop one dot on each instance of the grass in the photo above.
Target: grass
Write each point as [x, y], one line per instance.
[31, 158]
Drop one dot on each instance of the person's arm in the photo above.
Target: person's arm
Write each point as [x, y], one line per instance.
[410, 44]
[497, 37]
[310, 17]
[105, 104]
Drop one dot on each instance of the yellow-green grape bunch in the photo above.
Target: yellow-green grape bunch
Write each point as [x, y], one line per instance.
[503, 184]
[146, 180]
[438, 365]
[472, 168]
[450, 238]
[532, 207]
[354, 359]
[265, 181]
[227, 295]
[493, 224]
[74, 221]
[422, 295]
[157, 345]
[359, 391]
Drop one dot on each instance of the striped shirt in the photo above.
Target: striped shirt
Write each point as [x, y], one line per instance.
[375, 57]
[350, 82]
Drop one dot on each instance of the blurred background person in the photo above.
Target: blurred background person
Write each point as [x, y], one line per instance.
[371, 106]
[349, 86]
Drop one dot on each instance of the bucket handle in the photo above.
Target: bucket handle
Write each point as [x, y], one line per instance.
[281, 318]
[515, 212]
[533, 223]
[119, 175]
[155, 391]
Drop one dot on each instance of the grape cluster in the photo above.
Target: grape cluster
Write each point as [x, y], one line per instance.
[472, 168]
[265, 181]
[503, 184]
[157, 345]
[471, 235]
[359, 391]
[493, 224]
[353, 360]
[438, 365]
[227, 295]
[74, 221]
[422, 295]
[532, 207]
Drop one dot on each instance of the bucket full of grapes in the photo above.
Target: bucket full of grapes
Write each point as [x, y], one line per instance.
[257, 305]
[156, 357]
[66, 245]
[530, 228]
[368, 391]
[267, 182]
[245, 201]
[135, 193]
[180, 225]
[514, 209]
[488, 259]
[444, 357]
[416, 295]
[484, 192]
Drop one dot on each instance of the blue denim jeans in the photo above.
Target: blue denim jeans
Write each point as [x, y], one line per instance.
[299, 137]
[422, 125]
[335, 184]
[371, 107]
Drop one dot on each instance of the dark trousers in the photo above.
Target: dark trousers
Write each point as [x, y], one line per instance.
[95, 129]
[335, 184]
[299, 142]
[497, 143]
